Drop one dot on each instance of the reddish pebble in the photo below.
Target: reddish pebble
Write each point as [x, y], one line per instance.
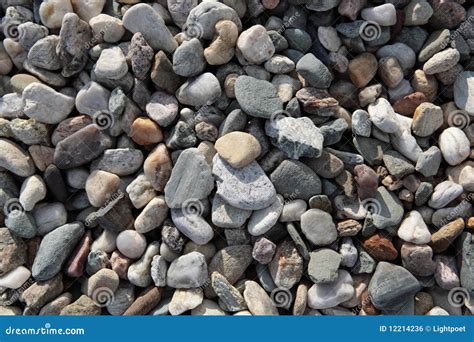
[407, 105]
[76, 264]
[367, 181]
[380, 248]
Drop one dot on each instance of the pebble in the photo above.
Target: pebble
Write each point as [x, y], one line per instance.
[245, 188]
[257, 98]
[444, 193]
[49, 216]
[441, 61]
[184, 300]
[231, 262]
[383, 116]
[413, 229]
[314, 71]
[286, 267]
[152, 215]
[391, 285]
[45, 104]
[362, 69]
[15, 278]
[131, 244]
[162, 108]
[188, 59]
[100, 186]
[158, 271]
[32, 191]
[454, 145]
[229, 296]
[384, 15]
[54, 249]
[144, 19]
[42, 292]
[323, 266]
[139, 273]
[111, 64]
[463, 85]
[446, 273]
[190, 180]
[258, 301]
[264, 219]
[418, 259]
[109, 27]
[318, 227]
[255, 45]
[187, 271]
[297, 137]
[292, 210]
[238, 148]
[443, 238]
[328, 295]
[387, 209]
[199, 91]
[52, 12]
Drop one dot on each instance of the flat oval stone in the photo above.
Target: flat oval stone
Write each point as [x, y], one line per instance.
[262, 220]
[318, 227]
[54, 250]
[255, 45]
[120, 161]
[258, 98]
[454, 145]
[192, 225]
[226, 216]
[444, 193]
[15, 159]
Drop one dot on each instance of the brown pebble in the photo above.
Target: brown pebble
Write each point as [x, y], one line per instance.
[366, 304]
[445, 236]
[42, 156]
[423, 303]
[120, 264]
[145, 132]
[76, 265]
[407, 105]
[367, 181]
[157, 167]
[362, 69]
[380, 248]
[145, 302]
[348, 228]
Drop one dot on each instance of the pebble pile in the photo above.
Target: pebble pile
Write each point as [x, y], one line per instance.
[258, 157]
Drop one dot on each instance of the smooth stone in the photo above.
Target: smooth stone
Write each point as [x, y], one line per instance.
[42, 292]
[454, 145]
[226, 216]
[100, 186]
[15, 278]
[11, 106]
[188, 271]
[101, 285]
[328, 295]
[158, 167]
[162, 108]
[387, 208]
[52, 12]
[384, 15]
[191, 179]
[139, 273]
[245, 188]
[323, 266]
[383, 116]
[92, 99]
[19, 222]
[444, 193]
[318, 227]
[184, 300]
[238, 148]
[391, 284]
[32, 191]
[258, 301]
[255, 45]
[362, 69]
[279, 64]
[429, 161]
[263, 220]
[188, 59]
[293, 179]
[54, 250]
[43, 54]
[417, 13]
[414, 229]
[199, 91]
[49, 216]
[162, 73]
[144, 19]
[120, 161]
[111, 64]
[140, 191]
[191, 224]
[131, 244]
[30, 132]
[109, 27]
[418, 259]
[257, 98]
[314, 71]
[83, 306]
[423, 193]
[316, 101]
[45, 104]
[402, 52]
[292, 210]
[152, 215]
[297, 137]
[441, 61]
